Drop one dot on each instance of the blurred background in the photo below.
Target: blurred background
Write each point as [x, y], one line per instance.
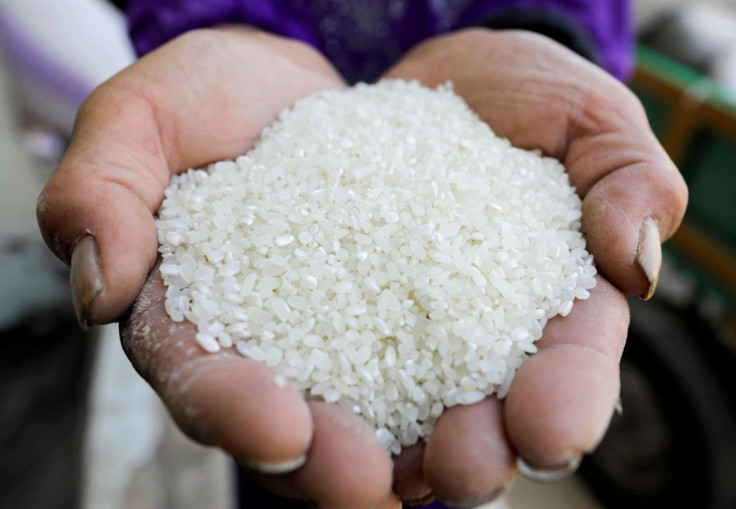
[78, 428]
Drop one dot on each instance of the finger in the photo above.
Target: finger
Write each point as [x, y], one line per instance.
[409, 482]
[346, 465]
[633, 195]
[542, 96]
[468, 460]
[206, 96]
[221, 399]
[626, 217]
[562, 398]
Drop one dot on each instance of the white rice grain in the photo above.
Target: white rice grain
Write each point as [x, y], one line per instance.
[380, 248]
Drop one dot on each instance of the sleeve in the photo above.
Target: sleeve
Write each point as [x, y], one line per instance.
[152, 23]
[600, 30]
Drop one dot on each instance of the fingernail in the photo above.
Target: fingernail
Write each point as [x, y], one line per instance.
[649, 254]
[85, 277]
[283, 467]
[550, 474]
[475, 502]
[420, 500]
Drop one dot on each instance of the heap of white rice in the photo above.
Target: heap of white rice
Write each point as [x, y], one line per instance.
[380, 248]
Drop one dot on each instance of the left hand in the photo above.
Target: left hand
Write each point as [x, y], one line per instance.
[542, 96]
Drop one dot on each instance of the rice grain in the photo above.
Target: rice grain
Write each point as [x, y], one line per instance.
[380, 248]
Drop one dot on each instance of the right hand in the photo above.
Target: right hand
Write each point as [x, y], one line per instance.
[204, 97]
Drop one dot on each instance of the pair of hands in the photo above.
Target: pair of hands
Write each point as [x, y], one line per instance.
[205, 97]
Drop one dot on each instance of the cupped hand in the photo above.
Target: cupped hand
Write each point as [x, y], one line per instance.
[203, 97]
[542, 96]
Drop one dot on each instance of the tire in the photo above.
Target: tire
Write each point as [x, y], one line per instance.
[675, 440]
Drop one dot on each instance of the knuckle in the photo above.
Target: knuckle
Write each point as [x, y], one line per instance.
[609, 108]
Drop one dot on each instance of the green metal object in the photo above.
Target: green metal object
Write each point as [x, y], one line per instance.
[710, 169]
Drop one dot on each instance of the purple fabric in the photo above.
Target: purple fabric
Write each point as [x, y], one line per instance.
[364, 38]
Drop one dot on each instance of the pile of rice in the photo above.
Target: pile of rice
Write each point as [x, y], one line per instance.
[379, 248]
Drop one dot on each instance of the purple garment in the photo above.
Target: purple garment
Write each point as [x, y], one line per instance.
[362, 39]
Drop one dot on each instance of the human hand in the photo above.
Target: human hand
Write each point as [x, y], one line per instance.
[202, 98]
[542, 96]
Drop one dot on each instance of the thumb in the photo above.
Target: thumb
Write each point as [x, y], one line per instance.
[96, 211]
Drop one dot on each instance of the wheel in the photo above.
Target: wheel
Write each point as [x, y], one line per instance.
[675, 440]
